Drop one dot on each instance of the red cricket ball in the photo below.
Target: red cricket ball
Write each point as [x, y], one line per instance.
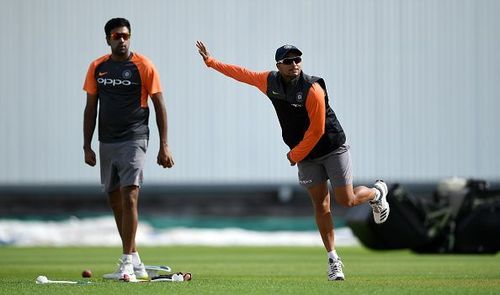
[86, 273]
[187, 276]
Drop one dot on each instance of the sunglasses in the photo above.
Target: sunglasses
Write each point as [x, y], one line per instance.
[290, 60]
[118, 36]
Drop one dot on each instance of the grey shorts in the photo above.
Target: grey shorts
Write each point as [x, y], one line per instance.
[335, 166]
[122, 163]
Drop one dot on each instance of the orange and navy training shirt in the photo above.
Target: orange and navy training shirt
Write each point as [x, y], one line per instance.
[122, 88]
[315, 104]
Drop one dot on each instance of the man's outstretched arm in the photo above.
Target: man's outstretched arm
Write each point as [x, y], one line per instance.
[257, 79]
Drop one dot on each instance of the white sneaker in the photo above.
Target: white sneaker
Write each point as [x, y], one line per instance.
[124, 268]
[334, 270]
[380, 207]
[140, 272]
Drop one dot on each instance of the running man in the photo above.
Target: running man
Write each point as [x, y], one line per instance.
[120, 83]
[316, 140]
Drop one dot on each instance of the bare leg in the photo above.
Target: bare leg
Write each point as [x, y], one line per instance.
[320, 197]
[116, 202]
[349, 197]
[130, 195]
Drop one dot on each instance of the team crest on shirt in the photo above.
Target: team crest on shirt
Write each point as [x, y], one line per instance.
[127, 74]
[299, 97]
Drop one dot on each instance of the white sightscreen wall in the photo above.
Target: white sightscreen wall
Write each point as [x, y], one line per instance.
[415, 85]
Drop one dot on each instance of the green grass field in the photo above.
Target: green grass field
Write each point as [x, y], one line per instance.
[253, 270]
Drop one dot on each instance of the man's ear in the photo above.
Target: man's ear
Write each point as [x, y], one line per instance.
[107, 40]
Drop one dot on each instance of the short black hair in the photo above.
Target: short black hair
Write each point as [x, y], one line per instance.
[116, 23]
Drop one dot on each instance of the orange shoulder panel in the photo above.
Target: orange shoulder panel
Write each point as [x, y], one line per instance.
[90, 84]
[150, 78]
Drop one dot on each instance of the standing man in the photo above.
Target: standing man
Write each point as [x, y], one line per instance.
[315, 138]
[121, 83]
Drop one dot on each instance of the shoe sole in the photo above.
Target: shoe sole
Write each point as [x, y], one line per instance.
[383, 187]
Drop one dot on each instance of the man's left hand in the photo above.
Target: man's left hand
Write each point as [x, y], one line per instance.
[165, 158]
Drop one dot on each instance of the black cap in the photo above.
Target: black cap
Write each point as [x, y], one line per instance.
[283, 51]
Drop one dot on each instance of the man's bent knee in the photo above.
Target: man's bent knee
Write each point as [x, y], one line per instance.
[344, 196]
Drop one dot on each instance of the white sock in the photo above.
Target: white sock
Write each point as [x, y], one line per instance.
[127, 257]
[333, 255]
[136, 260]
[377, 195]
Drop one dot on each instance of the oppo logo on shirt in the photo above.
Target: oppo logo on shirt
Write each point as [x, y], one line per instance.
[114, 82]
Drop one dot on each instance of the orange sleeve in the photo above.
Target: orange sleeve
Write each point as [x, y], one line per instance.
[316, 110]
[257, 79]
[150, 78]
[90, 85]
